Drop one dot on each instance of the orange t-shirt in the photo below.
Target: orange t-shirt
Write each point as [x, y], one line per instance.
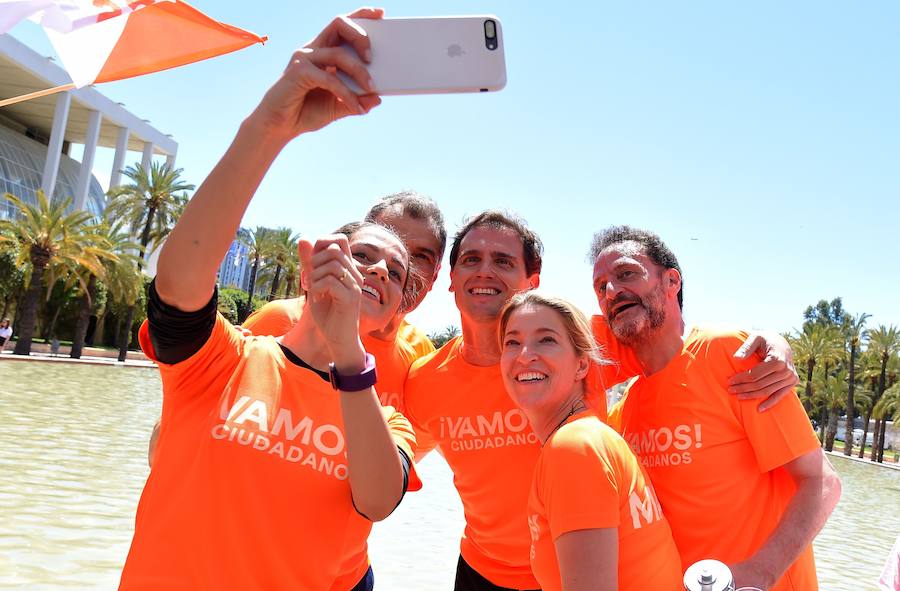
[491, 449]
[392, 358]
[249, 489]
[586, 478]
[417, 339]
[715, 461]
[624, 364]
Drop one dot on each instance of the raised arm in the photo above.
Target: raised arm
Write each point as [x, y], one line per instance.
[307, 97]
[334, 288]
[818, 491]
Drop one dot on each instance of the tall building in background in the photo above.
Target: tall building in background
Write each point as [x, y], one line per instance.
[35, 135]
[235, 268]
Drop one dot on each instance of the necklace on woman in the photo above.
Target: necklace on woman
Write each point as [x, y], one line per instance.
[577, 406]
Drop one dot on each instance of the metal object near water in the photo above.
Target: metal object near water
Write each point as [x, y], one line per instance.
[708, 575]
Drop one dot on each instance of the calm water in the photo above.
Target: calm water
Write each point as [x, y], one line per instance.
[73, 460]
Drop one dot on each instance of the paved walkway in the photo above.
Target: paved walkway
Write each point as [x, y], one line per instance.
[85, 359]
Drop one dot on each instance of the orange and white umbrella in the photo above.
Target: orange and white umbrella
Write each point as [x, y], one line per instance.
[105, 40]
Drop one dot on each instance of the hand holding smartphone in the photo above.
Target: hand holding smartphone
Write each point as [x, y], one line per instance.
[433, 55]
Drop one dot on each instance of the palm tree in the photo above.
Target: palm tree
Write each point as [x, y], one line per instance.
[832, 391]
[125, 282]
[47, 234]
[283, 247]
[870, 365]
[439, 339]
[856, 333]
[119, 244]
[259, 243]
[150, 203]
[884, 341]
[816, 343]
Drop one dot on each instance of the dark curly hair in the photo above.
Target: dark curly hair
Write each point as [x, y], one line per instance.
[655, 249]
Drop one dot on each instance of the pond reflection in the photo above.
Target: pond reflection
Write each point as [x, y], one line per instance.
[73, 460]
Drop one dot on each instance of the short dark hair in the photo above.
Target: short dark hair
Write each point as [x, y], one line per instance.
[532, 247]
[413, 282]
[418, 207]
[653, 246]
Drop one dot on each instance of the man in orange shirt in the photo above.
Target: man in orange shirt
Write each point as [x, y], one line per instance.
[455, 399]
[749, 488]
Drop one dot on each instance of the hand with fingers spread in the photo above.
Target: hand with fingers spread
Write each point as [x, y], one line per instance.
[773, 378]
[334, 287]
[309, 95]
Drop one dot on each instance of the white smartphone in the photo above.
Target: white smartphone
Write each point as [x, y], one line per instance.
[432, 55]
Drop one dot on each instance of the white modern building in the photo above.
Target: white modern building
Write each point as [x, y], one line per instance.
[35, 135]
[235, 269]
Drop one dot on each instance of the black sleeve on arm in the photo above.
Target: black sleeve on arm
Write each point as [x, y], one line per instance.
[406, 463]
[177, 335]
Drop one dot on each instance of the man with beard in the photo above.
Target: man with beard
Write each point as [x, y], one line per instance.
[749, 488]
[456, 400]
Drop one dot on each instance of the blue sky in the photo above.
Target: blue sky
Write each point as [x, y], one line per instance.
[761, 141]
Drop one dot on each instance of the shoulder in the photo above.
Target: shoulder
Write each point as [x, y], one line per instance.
[275, 318]
[436, 362]
[415, 338]
[583, 437]
[717, 346]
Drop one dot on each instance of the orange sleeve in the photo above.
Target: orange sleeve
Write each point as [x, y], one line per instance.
[219, 356]
[624, 363]
[405, 438]
[578, 486]
[274, 319]
[417, 340]
[779, 435]
[614, 416]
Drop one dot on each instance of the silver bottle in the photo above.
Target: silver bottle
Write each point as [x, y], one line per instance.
[708, 575]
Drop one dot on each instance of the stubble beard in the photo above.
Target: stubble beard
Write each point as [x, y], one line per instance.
[641, 330]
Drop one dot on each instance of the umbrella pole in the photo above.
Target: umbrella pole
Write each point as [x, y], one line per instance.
[34, 95]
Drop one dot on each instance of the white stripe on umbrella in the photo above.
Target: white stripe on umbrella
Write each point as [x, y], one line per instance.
[84, 51]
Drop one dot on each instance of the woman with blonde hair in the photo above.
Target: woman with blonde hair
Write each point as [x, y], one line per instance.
[595, 521]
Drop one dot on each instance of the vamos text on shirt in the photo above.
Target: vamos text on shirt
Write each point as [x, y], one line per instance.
[297, 439]
[665, 446]
[479, 432]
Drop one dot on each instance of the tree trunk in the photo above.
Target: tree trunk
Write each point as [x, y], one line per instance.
[84, 317]
[831, 431]
[145, 235]
[822, 421]
[118, 331]
[5, 306]
[851, 410]
[100, 329]
[275, 282]
[881, 435]
[252, 287]
[807, 402]
[125, 336]
[28, 316]
[876, 433]
[862, 445]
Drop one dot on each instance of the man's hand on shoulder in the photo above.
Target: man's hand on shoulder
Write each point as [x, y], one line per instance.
[771, 379]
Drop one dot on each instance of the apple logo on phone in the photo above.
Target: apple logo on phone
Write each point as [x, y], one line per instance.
[455, 50]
